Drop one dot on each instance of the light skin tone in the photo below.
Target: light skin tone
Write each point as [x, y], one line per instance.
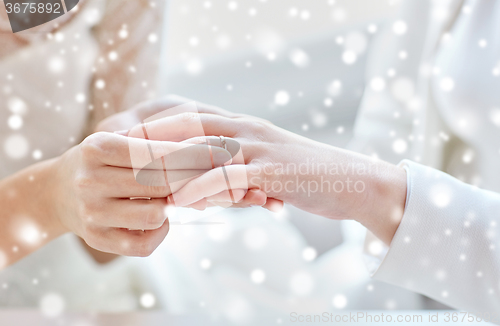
[122, 122]
[356, 187]
[87, 190]
[136, 115]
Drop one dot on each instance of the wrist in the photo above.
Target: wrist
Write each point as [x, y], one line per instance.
[53, 196]
[27, 221]
[385, 202]
[40, 196]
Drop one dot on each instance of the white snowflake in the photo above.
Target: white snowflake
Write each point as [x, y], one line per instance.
[258, 276]
[339, 301]
[147, 300]
[400, 27]
[52, 305]
[377, 84]
[282, 98]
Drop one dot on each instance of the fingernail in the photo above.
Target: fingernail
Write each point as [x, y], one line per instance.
[222, 158]
[122, 132]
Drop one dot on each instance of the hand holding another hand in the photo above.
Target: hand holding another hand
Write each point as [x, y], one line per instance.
[113, 188]
[315, 177]
[130, 123]
[235, 160]
[94, 181]
[92, 184]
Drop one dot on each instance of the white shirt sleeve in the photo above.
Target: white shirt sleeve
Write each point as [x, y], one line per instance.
[446, 246]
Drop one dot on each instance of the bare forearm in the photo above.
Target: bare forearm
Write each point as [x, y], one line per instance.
[26, 216]
[315, 177]
[354, 186]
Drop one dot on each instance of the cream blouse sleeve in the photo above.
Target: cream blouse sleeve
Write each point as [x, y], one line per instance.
[446, 246]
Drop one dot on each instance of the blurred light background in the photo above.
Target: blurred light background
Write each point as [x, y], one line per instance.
[299, 64]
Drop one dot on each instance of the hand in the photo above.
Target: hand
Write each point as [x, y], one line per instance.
[94, 181]
[132, 120]
[315, 177]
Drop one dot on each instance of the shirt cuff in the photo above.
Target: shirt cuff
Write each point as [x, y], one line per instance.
[374, 249]
[443, 245]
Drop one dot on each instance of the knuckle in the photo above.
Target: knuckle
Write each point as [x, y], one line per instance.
[145, 248]
[93, 145]
[188, 117]
[156, 191]
[90, 237]
[257, 126]
[86, 216]
[239, 195]
[145, 253]
[82, 182]
[154, 179]
[146, 243]
[90, 241]
[155, 218]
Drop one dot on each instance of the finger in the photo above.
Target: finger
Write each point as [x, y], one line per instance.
[274, 205]
[231, 145]
[123, 183]
[226, 196]
[223, 199]
[241, 204]
[195, 157]
[115, 150]
[200, 205]
[184, 126]
[255, 197]
[211, 109]
[125, 242]
[212, 183]
[271, 204]
[140, 214]
[174, 103]
[203, 107]
[151, 108]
